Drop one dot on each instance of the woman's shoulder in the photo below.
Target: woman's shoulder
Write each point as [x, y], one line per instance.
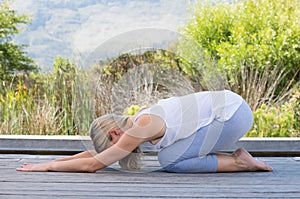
[147, 119]
[143, 119]
[148, 127]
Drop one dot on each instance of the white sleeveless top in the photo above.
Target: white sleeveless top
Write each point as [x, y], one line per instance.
[186, 114]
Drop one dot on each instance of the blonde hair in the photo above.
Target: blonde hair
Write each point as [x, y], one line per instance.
[99, 133]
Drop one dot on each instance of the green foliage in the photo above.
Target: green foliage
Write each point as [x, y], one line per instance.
[278, 120]
[133, 109]
[61, 103]
[58, 103]
[245, 39]
[255, 32]
[13, 59]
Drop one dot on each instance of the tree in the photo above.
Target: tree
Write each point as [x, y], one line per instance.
[13, 58]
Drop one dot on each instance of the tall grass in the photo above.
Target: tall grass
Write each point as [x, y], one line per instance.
[47, 104]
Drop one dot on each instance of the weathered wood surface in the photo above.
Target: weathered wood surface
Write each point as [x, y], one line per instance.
[283, 182]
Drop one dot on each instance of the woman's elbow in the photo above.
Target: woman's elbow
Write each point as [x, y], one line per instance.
[93, 166]
[90, 170]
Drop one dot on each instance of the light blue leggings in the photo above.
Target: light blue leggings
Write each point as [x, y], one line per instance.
[183, 155]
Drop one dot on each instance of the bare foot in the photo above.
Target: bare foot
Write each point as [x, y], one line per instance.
[246, 162]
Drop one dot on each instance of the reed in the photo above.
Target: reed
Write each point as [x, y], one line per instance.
[45, 104]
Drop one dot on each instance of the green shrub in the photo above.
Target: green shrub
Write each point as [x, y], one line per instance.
[278, 120]
[255, 45]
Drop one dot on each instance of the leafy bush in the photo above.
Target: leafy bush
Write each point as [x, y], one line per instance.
[254, 43]
[278, 120]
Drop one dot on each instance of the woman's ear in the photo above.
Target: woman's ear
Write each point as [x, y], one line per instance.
[115, 132]
[112, 132]
[115, 135]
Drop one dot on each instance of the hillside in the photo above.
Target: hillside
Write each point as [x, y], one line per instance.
[75, 29]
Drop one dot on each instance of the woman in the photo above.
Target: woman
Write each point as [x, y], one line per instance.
[187, 132]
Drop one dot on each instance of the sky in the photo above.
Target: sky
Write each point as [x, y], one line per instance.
[95, 24]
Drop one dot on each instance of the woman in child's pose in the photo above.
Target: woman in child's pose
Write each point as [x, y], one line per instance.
[187, 132]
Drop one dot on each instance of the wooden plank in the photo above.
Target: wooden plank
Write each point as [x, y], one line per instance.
[154, 192]
[284, 182]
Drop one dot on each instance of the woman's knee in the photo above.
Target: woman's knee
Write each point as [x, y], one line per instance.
[166, 163]
[242, 120]
[246, 116]
[178, 151]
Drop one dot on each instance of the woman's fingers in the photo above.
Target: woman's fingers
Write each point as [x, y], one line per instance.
[33, 167]
[24, 167]
[24, 164]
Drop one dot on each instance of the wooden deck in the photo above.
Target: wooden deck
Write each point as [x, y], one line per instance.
[283, 182]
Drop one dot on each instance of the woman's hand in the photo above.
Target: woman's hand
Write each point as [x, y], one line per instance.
[75, 165]
[70, 163]
[34, 167]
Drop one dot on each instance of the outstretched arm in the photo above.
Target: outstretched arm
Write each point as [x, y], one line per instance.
[88, 164]
[84, 154]
[73, 165]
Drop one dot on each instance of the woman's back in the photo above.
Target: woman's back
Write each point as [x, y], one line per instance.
[185, 114]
